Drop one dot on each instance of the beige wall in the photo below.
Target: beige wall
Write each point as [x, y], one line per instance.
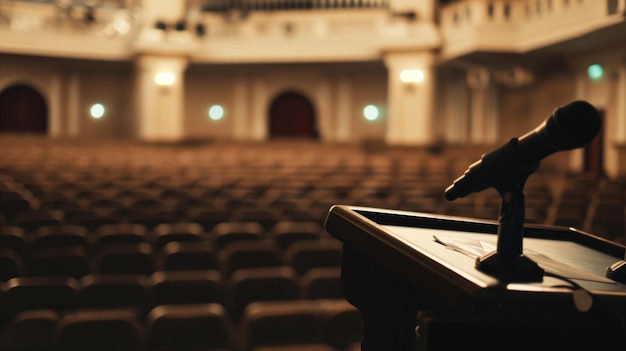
[203, 88]
[112, 86]
[232, 85]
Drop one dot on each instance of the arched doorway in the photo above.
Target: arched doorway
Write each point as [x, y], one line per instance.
[292, 115]
[23, 109]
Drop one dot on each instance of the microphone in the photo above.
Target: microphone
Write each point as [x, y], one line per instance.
[569, 127]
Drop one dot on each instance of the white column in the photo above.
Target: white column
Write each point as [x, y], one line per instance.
[576, 159]
[240, 108]
[323, 114]
[73, 104]
[260, 110]
[343, 109]
[483, 119]
[160, 108]
[410, 105]
[55, 127]
[620, 108]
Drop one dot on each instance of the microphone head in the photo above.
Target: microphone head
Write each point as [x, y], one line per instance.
[574, 125]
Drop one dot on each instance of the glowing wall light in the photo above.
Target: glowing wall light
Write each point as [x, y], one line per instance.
[371, 113]
[595, 71]
[165, 78]
[97, 111]
[216, 112]
[412, 76]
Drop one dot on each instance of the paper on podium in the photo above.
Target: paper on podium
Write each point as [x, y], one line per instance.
[475, 248]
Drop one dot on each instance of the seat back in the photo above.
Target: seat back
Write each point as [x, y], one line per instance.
[100, 330]
[189, 327]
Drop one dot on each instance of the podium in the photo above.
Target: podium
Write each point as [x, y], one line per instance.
[413, 277]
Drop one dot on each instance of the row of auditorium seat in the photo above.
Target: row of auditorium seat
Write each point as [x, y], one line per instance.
[143, 292]
[67, 251]
[321, 325]
[598, 209]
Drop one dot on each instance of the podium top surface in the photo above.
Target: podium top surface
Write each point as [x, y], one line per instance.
[438, 254]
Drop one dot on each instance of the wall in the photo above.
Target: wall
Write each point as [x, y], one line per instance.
[70, 87]
[246, 92]
[110, 84]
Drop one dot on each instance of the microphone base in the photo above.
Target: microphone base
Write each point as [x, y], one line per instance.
[516, 269]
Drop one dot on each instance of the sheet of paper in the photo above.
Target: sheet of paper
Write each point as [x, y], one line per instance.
[475, 248]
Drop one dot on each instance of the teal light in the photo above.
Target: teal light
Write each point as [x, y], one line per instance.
[97, 111]
[595, 71]
[216, 112]
[371, 112]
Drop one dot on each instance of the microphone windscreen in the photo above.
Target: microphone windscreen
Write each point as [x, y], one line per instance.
[575, 125]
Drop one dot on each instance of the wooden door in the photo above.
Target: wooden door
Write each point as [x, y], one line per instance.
[23, 109]
[292, 115]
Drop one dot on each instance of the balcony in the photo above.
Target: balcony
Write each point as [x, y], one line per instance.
[510, 26]
[310, 30]
[247, 31]
[77, 30]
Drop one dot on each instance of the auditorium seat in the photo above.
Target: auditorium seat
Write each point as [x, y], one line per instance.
[124, 258]
[52, 236]
[11, 265]
[227, 232]
[607, 217]
[321, 283]
[314, 214]
[30, 331]
[66, 261]
[187, 287]
[100, 330]
[14, 201]
[343, 324]
[31, 293]
[304, 255]
[31, 220]
[265, 216]
[119, 233]
[188, 256]
[570, 214]
[106, 204]
[207, 217]
[150, 217]
[55, 200]
[247, 285]
[285, 232]
[283, 326]
[13, 238]
[104, 291]
[179, 231]
[205, 327]
[248, 254]
[93, 219]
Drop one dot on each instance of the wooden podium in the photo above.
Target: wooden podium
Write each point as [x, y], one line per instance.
[413, 277]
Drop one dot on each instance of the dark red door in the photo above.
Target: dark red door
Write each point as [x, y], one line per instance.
[292, 115]
[23, 109]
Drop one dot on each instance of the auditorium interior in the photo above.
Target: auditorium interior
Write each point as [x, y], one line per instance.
[167, 166]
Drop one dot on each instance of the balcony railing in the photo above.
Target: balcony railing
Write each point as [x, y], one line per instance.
[282, 5]
[512, 25]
